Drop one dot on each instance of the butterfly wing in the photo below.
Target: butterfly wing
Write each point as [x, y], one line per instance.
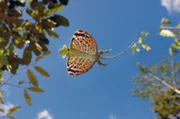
[85, 43]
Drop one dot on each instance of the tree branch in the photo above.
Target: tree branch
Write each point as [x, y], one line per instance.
[164, 82]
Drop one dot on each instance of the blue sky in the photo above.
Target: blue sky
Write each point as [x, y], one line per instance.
[101, 93]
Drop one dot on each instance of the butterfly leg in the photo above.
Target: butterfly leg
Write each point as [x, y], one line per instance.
[100, 63]
[104, 51]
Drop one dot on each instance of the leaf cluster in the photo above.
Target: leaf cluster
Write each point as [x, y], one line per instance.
[23, 38]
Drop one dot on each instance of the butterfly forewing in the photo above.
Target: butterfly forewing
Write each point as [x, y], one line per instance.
[82, 42]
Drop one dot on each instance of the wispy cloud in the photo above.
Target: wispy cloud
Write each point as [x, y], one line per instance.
[44, 115]
[5, 107]
[171, 5]
[112, 117]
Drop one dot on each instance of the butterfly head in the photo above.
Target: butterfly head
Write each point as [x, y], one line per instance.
[64, 51]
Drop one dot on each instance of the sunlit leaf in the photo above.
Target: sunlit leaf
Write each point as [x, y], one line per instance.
[32, 78]
[1, 101]
[1, 79]
[173, 51]
[13, 110]
[52, 34]
[167, 33]
[35, 89]
[27, 98]
[165, 21]
[146, 47]
[141, 40]
[1, 94]
[137, 48]
[41, 71]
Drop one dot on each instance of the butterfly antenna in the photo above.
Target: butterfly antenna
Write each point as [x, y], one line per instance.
[124, 51]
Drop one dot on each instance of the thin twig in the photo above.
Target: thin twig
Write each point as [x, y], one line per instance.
[17, 86]
[164, 82]
[128, 48]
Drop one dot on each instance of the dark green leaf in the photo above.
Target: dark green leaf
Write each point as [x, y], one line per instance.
[27, 56]
[11, 49]
[64, 2]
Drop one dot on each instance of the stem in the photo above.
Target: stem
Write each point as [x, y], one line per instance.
[129, 47]
[164, 82]
[5, 82]
[17, 86]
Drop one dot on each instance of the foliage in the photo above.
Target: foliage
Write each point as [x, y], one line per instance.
[160, 83]
[28, 35]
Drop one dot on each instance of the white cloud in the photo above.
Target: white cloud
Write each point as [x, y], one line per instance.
[44, 115]
[171, 5]
[5, 107]
[112, 117]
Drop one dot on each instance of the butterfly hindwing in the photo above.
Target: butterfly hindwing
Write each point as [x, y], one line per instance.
[77, 65]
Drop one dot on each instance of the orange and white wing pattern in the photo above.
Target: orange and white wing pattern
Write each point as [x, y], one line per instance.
[85, 43]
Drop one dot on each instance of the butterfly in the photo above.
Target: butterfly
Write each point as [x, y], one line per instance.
[83, 53]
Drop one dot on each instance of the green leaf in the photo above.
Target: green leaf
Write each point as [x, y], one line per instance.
[11, 117]
[13, 110]
[165, 21]
[1, 101]
[3, 60]
[164, 68]
[11, 49]
[173, 51]
[27, 98]
[32, 78]
[132, 51]
[27, 55]
[1, 94]
[52, 34]
[142, 69]
[137, 48]
[35, 89]
[41, 71]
